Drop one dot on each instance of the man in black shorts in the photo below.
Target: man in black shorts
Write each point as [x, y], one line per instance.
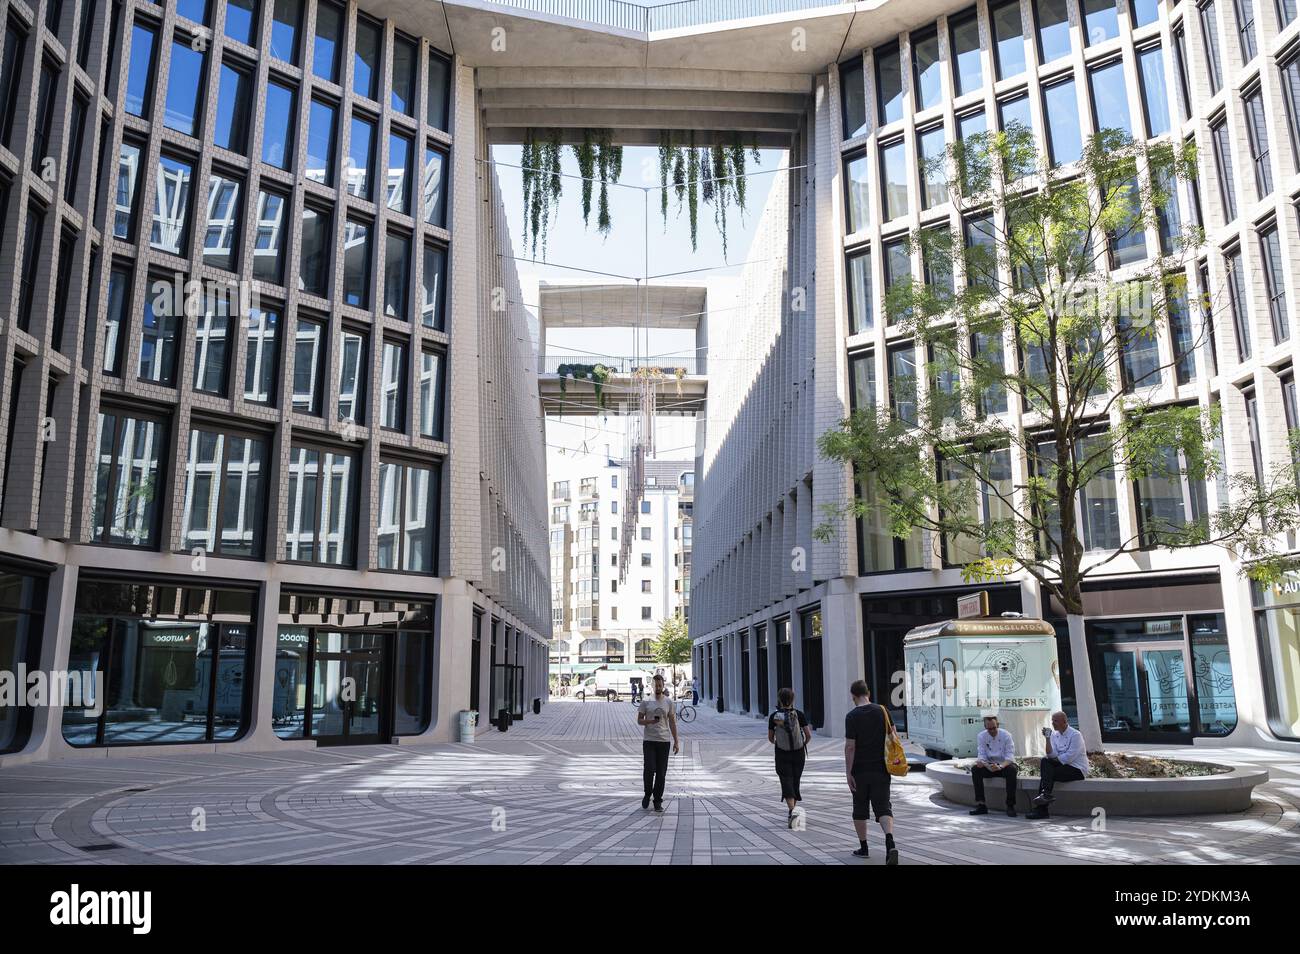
[864, 763]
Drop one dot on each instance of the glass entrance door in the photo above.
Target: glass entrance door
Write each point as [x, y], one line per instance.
[507, 689]
[1143, 693]
[348, 687]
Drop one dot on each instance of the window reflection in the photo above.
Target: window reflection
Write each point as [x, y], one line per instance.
[171, 205]
[225, 493]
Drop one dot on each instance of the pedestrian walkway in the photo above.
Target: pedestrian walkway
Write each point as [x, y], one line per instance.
[555, 790]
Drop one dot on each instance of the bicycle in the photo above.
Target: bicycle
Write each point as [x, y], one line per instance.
[686, 712]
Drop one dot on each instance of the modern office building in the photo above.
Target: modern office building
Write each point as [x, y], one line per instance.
[229, 505]
[608, 600]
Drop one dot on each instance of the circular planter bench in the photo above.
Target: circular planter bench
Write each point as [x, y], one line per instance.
[1197, 795]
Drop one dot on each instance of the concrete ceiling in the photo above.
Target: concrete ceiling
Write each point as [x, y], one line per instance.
[621, 306]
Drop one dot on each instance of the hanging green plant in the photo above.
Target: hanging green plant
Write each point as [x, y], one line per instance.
[586, 156]
[598, 374]
[713, 172]
[542, 186]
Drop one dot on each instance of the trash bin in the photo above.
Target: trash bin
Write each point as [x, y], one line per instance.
[721, 707]
[537, 706]
[467, 720]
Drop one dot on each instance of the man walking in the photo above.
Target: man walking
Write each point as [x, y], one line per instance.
[997, 759]
[1066, 761]
[658, 716]
[864, 764]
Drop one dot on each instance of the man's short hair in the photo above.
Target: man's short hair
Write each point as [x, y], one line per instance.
[859, 689]
[993, 717]
[659, 677]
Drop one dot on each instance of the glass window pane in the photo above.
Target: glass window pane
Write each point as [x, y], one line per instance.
[356, 263]
[277, 127]
[268, 246]
[397, 275]
[317, 247]
[1008, 39]
[893, 168]
[196, 10]
[304, 488]
[223, 226]
[853, 99]
[139, 79]
[433, 290]
[1144, 11]
[184, 85]
[861, 306]
[404, 70]
[234, 94]
[128, 181]
[968, 71]
[261, 355]
[417, 521]
[361, 157]
[889, 84]
[1151, 68]
[439, 91]
[158, 333]
[857, 193]
[392, 387]
[212, 344]
[1015, 112]
[308, 366]
[934, 174]
[1053, 29]
[365, 65]
[171, 206]
[285, 18]
[320, 143]
[241, 21]
[329, 39]
[1110, 97]
[399, 173]
[431, 394]
[902, 383]
[435, 192]
[928, 73]
[1064, 137]
[1100, 21]
[862, 369]
[352, 377]
[387, 540]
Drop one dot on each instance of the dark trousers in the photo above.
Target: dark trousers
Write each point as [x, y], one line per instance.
[655, 758]
[1052, 771]
[695, 698]
[1008, 774]
[789, 769]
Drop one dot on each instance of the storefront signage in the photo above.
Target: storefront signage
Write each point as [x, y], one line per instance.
[973, 605]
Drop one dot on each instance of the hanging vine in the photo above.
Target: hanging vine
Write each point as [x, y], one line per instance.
[714, 172]
[542, 186]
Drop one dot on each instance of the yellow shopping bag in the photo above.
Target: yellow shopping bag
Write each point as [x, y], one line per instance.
[895, 757]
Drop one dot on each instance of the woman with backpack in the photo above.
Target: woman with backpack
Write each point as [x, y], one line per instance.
[787, 729]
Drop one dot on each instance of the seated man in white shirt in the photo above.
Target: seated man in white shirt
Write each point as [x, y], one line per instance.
[1066, 761]
[997, 759]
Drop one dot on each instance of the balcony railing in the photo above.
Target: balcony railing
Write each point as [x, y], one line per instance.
[690, 364]
[647, 18]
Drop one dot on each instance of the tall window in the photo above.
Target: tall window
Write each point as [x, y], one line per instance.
[862, 377]
[365, 62]
[140, 70]
[1168, 500]
[225, 493]
[1237, 302]
[286, 16]
[171, 205]
[397, 275]
[185, 80]
[404, 70]
[435, 187]
[1053, 18]
[1210, 34]
[212, 345]
[278, 126]
[1014, 111]
[321, 130]
[1223, 165]
[992, 488]
[931, 147]
[1143, 12]
[309, 359]
[964, 47]
[408, 504]
[902, 382]
[1181, 333]
[981, 252]
[115, 319]
[128, 479]
[433, 290]
[1097, 506]
[1180, 71]
[1128, 243]
[431, 391]
[857, 193]
[1257, 137]
[853, 98]
[317, 248]
[320, 524]
[927, 73]
[1252, 432]
[14, 52]
[1110, 97]
[438, 98]
[32, 239]
[160, 330]
[1245, 10]
[1270, 252]
[329, 41]
[1061, 109]
[889, 84]
[1155, 100]
[241, 21]
[987, 348]
[44, 124]
[234, 94]
[1100, 21]
[1008, 39]
[352, 382]
[261, 355]
[1290, 76]
[223, 236]
[392, 386]
[893, 179]
[270, 241]
[361, 157]
[1286, 12]
[859, 282]
[399, 173]
[356, 263]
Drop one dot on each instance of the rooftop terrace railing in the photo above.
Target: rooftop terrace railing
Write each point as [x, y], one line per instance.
[674, 15]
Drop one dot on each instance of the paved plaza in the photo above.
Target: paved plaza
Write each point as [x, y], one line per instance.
[564, 788]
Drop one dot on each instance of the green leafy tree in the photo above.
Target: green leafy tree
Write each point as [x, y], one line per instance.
[673, 647]
[1053, 303]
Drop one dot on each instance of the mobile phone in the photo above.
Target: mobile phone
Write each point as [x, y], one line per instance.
[1046, 732]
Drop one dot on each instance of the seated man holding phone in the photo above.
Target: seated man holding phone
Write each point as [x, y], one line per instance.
[1066, 761]
[997, 759]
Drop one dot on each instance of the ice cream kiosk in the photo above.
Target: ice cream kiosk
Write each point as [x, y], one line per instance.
[961, 670]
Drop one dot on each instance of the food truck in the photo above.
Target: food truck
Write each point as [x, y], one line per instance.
[959, 671]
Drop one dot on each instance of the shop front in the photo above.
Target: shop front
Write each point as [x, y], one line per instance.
[22, 617]
[1277, 631]
[352, 670]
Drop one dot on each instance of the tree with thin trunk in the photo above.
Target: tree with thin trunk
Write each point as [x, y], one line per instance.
[673, 647]
[1037, 376]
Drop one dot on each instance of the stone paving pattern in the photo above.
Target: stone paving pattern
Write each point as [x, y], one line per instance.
[564, 788]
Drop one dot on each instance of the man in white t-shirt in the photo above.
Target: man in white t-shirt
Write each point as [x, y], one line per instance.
[658, 716]
[1066, 761]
